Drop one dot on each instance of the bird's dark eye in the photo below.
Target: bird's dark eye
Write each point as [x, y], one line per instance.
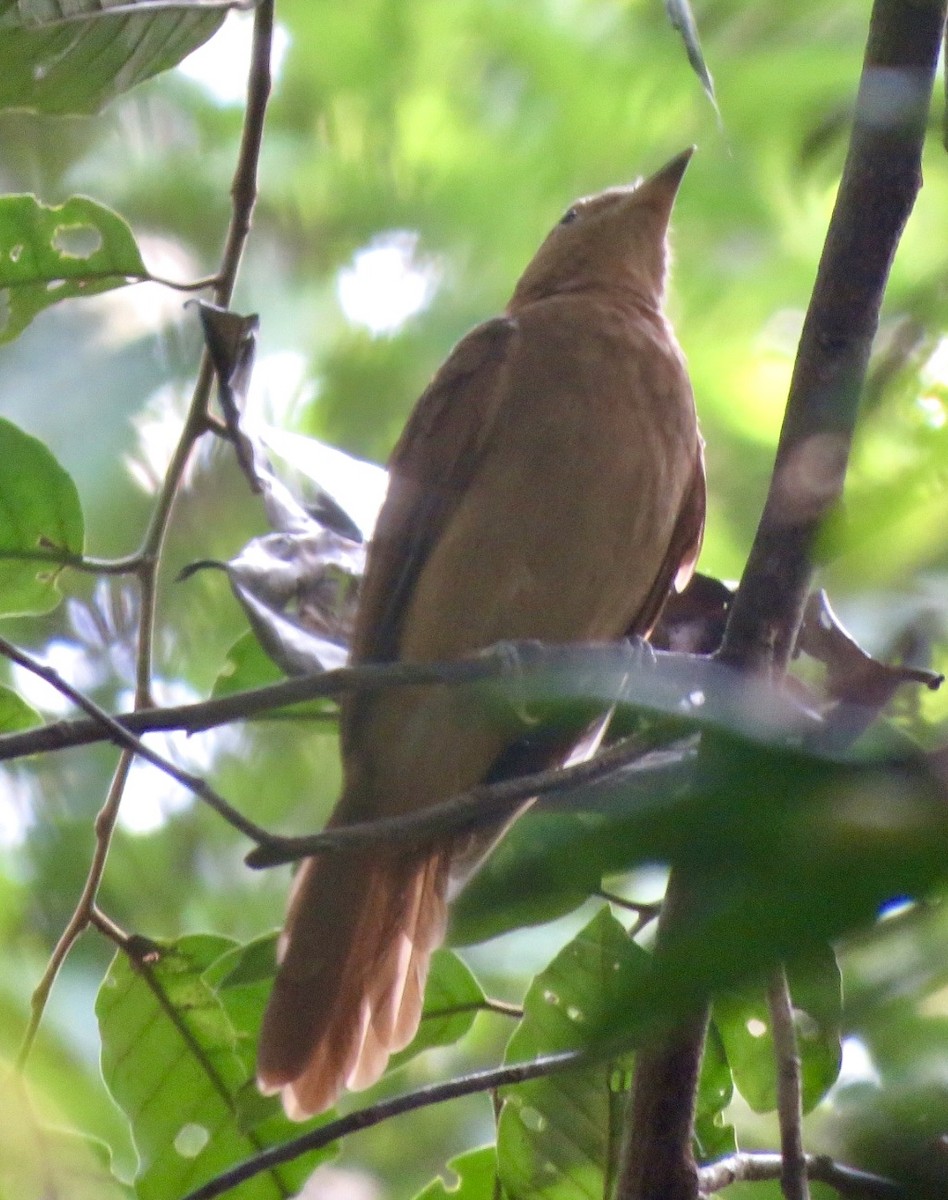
[569, 216]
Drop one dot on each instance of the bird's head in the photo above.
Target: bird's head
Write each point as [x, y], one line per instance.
[614, 241]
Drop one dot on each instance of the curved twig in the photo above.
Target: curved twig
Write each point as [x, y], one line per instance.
[375, 1114]
[479, 806]
[760, 1168]
[148, 557]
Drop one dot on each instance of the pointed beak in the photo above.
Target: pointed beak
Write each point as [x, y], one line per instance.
[663, 185]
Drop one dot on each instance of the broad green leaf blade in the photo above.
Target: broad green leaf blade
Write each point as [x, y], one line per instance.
[248, 666]
[816, 989]
[743, 1021]
[15, 713]
[545, 867]
[476, 1172]
[52, 253]
[557, 1137]
[746, 824]
[713, 1136]
[38, 1160]
[242, 977]
[39, 510]
[170, 1059]
[76, 66]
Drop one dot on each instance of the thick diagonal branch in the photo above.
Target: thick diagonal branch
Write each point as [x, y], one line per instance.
[880, 181]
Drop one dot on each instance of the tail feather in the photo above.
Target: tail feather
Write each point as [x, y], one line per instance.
[354, 958]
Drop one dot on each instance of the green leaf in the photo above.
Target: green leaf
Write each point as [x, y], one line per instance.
[476, 1172]
[713, 1136]
[39, 510]
[51, 253]
[39, 1160]
[742, 1018]
[77, 66]
[545, 867]
[15, 713]
[453, 998]
[170, 1059]
[816, 990]
[558, 1136]
[246, 666]
[242, 978]
[795, 848]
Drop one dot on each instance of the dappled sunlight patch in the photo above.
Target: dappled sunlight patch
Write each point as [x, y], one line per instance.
[387, 283]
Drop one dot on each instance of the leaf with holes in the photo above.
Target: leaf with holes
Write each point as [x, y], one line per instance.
[714, 1137]
[742, 1018]
[558, 1137]
[170, 1059]
[39, 511]
[72, 56]
[52, 253]
[476, 1177]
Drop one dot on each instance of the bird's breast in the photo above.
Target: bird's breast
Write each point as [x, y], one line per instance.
[567, 520]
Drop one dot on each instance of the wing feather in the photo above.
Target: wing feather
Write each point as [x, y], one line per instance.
[430, 469]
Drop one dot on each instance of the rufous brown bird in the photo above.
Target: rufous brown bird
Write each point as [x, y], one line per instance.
[548, 485]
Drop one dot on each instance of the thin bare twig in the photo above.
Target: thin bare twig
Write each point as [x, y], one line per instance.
[645, 912]
[499, 1007]
[375, 1114]
[180, 285]
[760, 1168]
[793, 1176]
[244, 194]
[79, 921]
[479, 806]
[146, 560]
[134, 745]
[469, 809]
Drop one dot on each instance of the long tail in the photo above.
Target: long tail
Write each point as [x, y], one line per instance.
[353, 963]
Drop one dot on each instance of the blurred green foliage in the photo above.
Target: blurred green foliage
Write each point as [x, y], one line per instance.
[452, 136]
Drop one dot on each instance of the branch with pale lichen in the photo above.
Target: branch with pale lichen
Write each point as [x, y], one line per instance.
[763, 1168]
[789, 1071]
